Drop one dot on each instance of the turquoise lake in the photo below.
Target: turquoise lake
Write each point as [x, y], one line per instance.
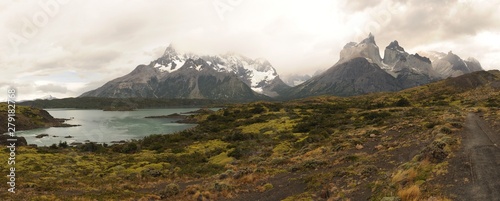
[106, 126]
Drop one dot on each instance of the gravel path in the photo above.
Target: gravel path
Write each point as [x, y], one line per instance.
[481, 145]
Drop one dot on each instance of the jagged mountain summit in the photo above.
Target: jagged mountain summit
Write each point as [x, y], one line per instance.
[353, 77]
[409, 69]
[259, 74]
[361, 70]
[451, 65]
[173, 75]
[367, 49]
[231, 76]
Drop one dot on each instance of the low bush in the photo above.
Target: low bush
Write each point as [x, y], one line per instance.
[169, 191]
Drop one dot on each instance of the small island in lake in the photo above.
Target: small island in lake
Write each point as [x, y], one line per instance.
[184, 117]
[172, 116]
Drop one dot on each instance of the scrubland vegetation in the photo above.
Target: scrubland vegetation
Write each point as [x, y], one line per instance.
[379, 147]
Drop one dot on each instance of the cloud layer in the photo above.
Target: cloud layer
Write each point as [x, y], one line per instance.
[65, 47]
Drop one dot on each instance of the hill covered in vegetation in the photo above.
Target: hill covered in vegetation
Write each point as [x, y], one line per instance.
[372, 147]
[29, 118]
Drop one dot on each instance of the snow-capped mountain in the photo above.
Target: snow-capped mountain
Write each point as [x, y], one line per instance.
[175, 75]
[361, 70]
[259, 74]
[409, 69]
[397, 59]
[451, 65]
[47, 97]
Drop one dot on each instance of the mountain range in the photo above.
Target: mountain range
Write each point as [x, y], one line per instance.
[231, 76]
[173, 75]
[361, 70]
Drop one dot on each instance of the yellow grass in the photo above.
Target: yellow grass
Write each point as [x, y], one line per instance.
[411, 193]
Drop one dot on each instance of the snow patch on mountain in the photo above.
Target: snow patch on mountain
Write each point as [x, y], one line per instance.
[259, 74]
[256, 73]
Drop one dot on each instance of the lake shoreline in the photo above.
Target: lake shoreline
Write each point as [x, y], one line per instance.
[102, 127]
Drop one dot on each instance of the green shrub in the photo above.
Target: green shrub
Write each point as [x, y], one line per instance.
[63, 144]
[92, 147]
[130, 148]
[446, 130]
[53, 146]
[456, 124]
[402, 102]
[237, 153]
[431, 124]
[221, 187]
[268, 186]
[169, 191]
[258, 109]
[313, 164]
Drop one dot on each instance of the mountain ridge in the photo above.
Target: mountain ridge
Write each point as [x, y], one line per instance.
[406, 70]
[173, 75]
[232, 76]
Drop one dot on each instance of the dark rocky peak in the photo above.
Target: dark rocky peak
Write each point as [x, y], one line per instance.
[424, 59]
[452, 57]
[394, 53]
[170, 50]
[370, 39]
[394, 45]
[367, 48]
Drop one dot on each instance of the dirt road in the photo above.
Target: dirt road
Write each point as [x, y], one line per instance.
[481, 146]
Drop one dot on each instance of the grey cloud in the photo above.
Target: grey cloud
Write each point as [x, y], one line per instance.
[360, 5]
[52, 88]
[115, 31]
[470, 20]
[82, 60]
[111, 39]
[429, 21]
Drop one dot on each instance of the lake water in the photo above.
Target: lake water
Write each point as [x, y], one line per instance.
[106, 126]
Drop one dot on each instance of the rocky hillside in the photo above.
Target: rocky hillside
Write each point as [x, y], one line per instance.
[28, 118]
[353, 77]
[174, 75]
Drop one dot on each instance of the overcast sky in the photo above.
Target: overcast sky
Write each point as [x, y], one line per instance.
[64, 48]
